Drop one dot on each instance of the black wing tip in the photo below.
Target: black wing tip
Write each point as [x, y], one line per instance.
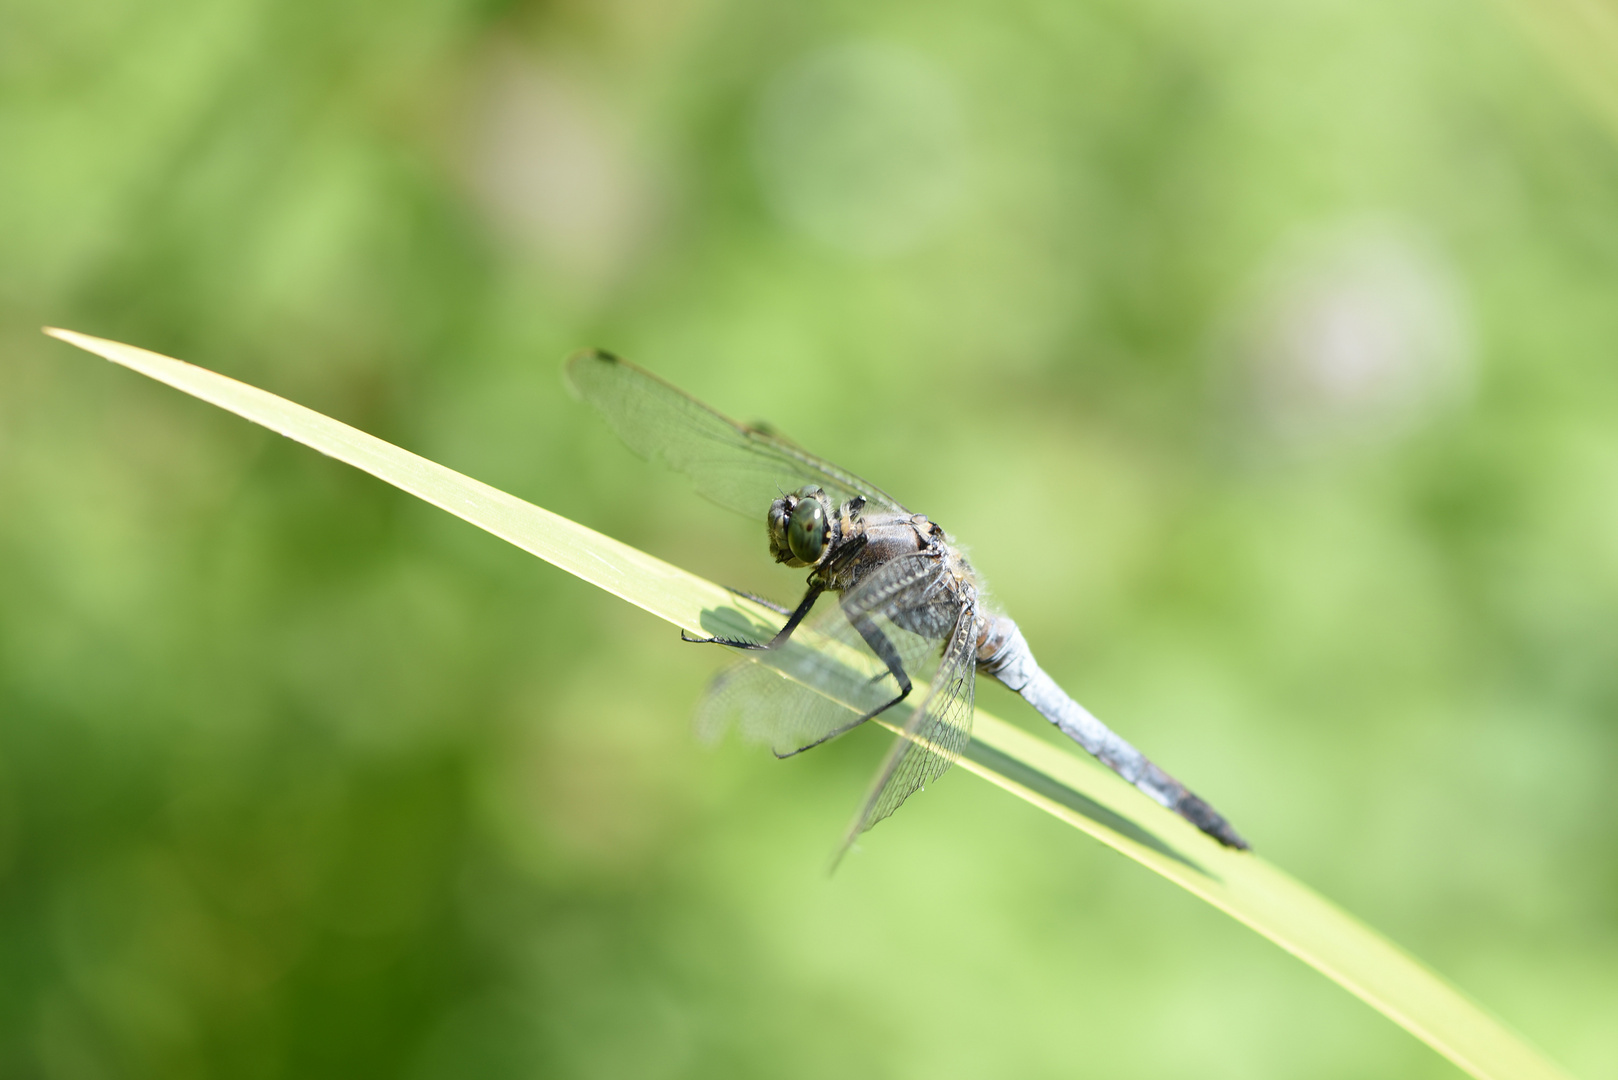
[579, 359]
[587, 355]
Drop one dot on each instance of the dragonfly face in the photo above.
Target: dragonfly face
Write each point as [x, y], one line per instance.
[800, 527]
[906, 602]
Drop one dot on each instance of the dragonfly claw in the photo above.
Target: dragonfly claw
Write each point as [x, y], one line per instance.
[735, 643]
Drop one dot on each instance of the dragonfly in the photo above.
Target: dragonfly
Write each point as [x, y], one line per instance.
[908, 607]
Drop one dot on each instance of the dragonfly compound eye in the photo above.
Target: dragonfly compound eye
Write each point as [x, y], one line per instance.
[807, 531]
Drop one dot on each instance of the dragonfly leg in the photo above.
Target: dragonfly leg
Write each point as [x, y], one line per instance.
[885, 652]
[879, 643]
[828, 737]
[781, 635]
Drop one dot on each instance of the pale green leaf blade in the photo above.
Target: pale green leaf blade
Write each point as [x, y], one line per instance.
[1068, 785]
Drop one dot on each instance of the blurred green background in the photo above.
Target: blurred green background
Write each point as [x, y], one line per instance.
[1265, 355]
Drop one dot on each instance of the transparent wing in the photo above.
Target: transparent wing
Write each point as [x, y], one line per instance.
[769, 706]
[827, 677]
[738, 467]
[935, 735]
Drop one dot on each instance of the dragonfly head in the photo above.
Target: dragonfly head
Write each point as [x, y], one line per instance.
[800, 527]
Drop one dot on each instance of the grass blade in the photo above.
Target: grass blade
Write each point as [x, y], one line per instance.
[1068, 785]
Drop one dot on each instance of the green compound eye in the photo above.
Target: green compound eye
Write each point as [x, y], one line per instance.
[806, 532]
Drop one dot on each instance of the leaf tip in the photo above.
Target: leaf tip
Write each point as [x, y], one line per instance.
[72, 337]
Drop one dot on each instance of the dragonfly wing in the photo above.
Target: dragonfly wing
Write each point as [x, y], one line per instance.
[769, 706]
[825, 678]
[741, 468]
[936, 734]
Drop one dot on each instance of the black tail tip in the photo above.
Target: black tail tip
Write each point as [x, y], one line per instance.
[1211, 822]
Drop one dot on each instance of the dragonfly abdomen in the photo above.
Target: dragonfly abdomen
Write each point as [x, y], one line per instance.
[1004, 654]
